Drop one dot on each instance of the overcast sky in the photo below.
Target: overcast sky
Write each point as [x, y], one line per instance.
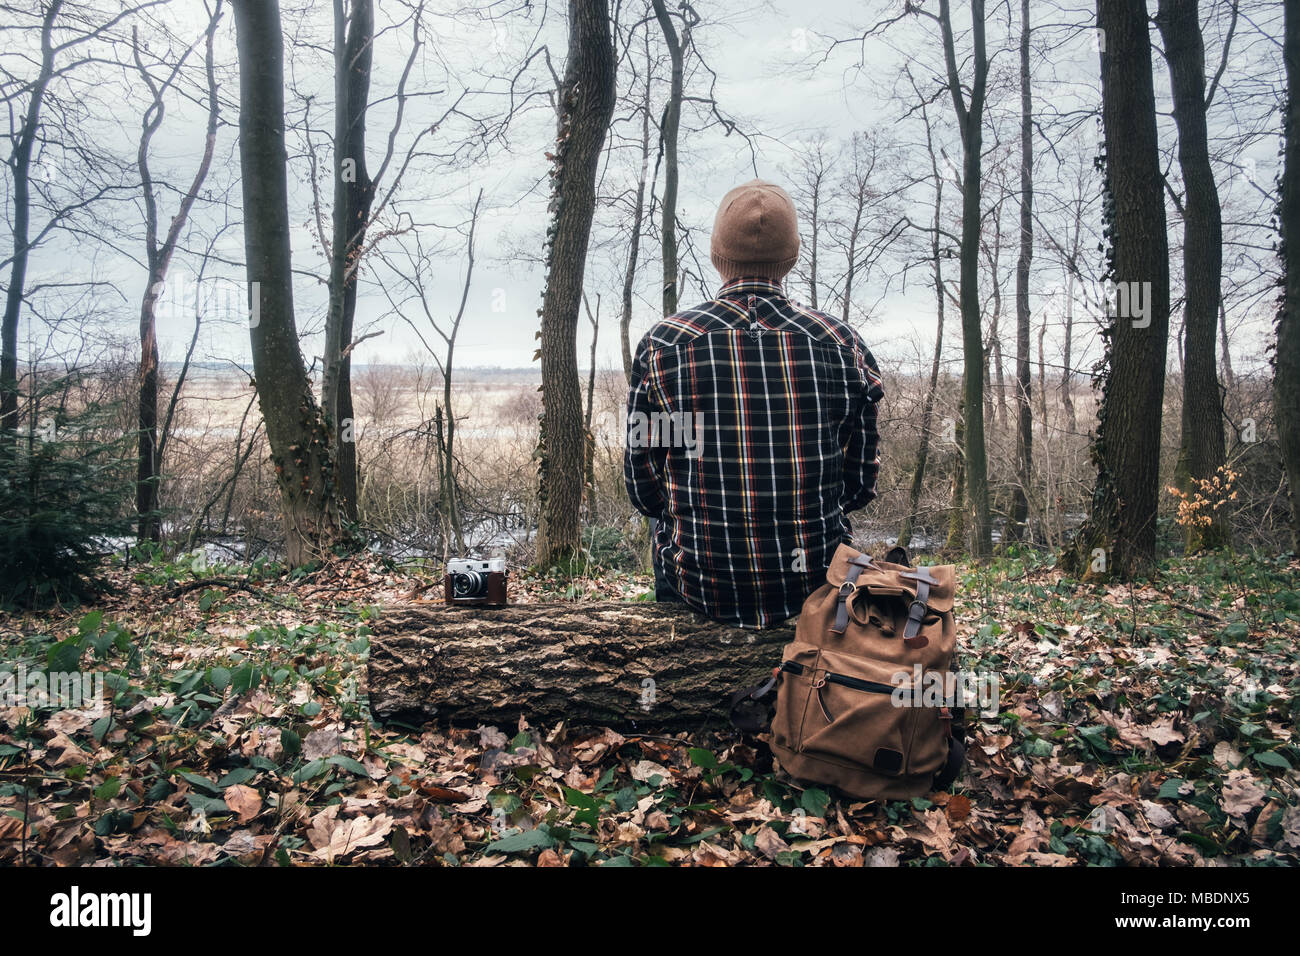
[776, 79]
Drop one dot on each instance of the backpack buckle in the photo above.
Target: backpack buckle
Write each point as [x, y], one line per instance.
[847, 589]
[916, 611]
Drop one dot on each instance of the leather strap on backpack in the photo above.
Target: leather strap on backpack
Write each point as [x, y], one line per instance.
[746, 717]
[847, 589]
[916, 612]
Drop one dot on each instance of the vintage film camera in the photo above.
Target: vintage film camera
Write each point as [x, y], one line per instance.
[475, 582]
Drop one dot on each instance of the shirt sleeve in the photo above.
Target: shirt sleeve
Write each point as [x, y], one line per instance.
[860, 438]
[643, 462]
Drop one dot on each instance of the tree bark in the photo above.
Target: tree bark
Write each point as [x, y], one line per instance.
[449, 483]
[970, 120]
[995, 415]
[927, 410]
[586, 105]
[1016, 527]
[616, 663]
[301, 447]
[1229, 379]
[668, 133]
[814, 227]
[20, 162]
[1201, 449]
[638, 219]
[1042, 368]
[1119, 537]
[1286, 369]
[589, 462]
[1067, 383]
[158, 259]
[957, 512]
[353, 194]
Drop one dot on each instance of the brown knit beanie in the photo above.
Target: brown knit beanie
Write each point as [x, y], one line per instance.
[756, 232]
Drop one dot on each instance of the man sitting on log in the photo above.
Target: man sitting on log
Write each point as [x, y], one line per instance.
[751, 428]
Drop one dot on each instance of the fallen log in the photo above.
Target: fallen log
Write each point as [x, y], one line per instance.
[635, 665]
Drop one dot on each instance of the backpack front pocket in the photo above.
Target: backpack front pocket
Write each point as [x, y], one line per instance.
[793, 693]
[854, 717]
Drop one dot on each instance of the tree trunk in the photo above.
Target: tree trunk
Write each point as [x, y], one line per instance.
[301, 448]
[1286, 371]
[158, 258]
[1119, 537]
[618, 663]
[995, 416]
[970, 120]
[1201, 449]
[638, 219]
[927, 410]
[1016, 527]
[1042, 371]
[1067, 383]
[586, 100]
[956, 542]
[1229, 379]
[860, 196]
[814, 227]
[589, 462]
[353, 195]
[20, 163]
[668, 133]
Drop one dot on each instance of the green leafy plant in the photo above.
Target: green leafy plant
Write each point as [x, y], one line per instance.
[63, 489]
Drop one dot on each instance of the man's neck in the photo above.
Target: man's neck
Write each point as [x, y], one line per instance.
[758, 285]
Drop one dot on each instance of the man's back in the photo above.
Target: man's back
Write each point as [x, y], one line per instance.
[752, 434]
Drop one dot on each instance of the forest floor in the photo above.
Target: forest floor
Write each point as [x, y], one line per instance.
[1140, 726]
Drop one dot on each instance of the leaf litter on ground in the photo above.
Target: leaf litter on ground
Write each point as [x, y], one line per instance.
[1131, 728]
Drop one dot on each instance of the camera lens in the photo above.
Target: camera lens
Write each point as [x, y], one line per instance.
[465, 583]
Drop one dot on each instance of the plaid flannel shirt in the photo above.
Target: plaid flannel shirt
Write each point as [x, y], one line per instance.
[751, 437]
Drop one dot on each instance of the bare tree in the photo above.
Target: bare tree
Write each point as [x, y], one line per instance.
[1024, 420]
[970, 117]
[1201, 448]
[1120, 535]
[415, 270]
[811, 189]
[589, 456]
[638, 220]
[79, 27]
[354, 191]
[864, 237]
[940, 295]
[158, 257]
[357, 206]
[678, 45]
[301, 444]
[586, 105]
[1286, 371]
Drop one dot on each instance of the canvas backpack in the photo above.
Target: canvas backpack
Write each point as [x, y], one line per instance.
[852, 707]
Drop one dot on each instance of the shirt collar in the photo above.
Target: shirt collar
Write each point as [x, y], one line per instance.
[756, 285]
